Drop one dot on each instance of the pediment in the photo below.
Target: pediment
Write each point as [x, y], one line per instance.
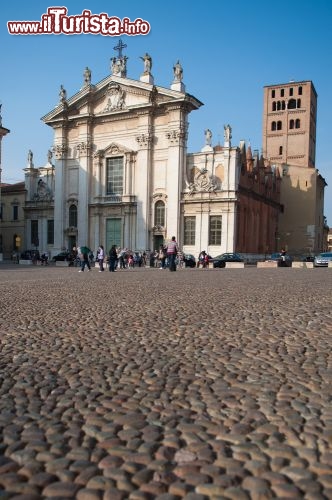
[115, 95]
[114, 149]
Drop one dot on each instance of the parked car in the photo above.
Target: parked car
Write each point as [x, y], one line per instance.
[308, 258]
[284, 260]
[30, 255]
[323, 259]
[189, 260]
[220, 260]
[64, 256]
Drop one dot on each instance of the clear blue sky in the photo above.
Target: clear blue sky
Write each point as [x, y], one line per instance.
[229, 51]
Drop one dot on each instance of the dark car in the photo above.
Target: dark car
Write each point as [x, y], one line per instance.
[283, 260]
[64, 256]
[189, 260]
[30, 255]
[220, 260]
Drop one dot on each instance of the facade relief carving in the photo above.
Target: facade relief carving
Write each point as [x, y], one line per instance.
[203, 182]
[176, 136]
[115, 98]
[83, 148]
[60, 151]
[144, 140]
[43, 193]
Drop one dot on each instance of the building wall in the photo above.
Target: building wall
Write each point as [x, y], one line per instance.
[13, 219]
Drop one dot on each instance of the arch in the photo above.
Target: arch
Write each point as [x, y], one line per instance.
[274, 106]
[279, 125]
[273, 126]
[291, 124]
[292, 104]
[72, 216]
[297, 123]
[159, 213]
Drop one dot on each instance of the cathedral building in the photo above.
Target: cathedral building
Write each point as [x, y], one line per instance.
[119, 173]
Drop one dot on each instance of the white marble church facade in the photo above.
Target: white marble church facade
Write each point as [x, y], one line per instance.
[119, 172]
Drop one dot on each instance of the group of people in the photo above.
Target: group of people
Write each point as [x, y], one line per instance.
[126, 259]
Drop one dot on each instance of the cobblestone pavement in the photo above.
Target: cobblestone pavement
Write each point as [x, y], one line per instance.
[195, 385]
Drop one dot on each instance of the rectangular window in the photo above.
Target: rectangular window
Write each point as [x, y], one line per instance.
[273, 94]
[114, 176]
[215, 230]
[34, 233]
[15, 212]
[189, 230]
[1, 211]
[50, 232]
[113, 233]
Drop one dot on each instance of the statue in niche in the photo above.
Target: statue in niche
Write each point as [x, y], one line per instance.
[178, 72]
[147, 63]
[208, 137]
[87, 76]
[116, 97]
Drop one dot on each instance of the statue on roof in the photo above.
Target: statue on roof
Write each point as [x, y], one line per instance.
[30, 158]
[227, 133]
[147, 63]
[208, 137]
[178, 72]
[62, 94]
[87, 77]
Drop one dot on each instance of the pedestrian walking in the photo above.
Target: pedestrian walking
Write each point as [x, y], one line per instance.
[113, 257]
[172, 250]
[85, 251]
[101, 256]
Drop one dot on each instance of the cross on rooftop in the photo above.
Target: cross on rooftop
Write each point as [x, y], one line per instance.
[119, 47]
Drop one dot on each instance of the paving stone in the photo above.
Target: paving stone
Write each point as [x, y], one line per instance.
[179, 401]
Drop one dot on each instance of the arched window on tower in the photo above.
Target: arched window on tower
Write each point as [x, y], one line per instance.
[283, 105]
[278, 106]
[159, 214]
[73, 216]
[291, 124]
[297, 123]
[274, 106]
[273, 126]
[279, 125]
[298, 103]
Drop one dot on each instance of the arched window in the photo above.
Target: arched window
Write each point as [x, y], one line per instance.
[283, 105]
[273, 126]
[73, 216]
[274, 106]
[298, 103]
[279, 125]
[159, 214]
[297, 123]
[292, 104]
[280, 150]
[291, 124]
[278, 105]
